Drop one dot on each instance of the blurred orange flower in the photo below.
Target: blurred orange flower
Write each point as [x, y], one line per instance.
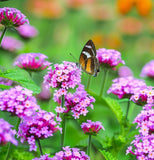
[45, 8]
[130, 26]
[143, 7]
[124, 6]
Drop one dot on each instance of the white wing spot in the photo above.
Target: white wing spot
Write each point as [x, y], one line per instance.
[87, 54]
[88, 46]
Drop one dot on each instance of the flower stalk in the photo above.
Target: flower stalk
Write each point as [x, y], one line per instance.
[88, 84]
[89, 145]
[3, 33]
[63, 123]
[39, 143]
[128, 106]
[103, 81]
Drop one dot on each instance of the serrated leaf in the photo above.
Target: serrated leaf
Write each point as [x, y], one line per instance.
[115, 107]
[107, 155]
[22, 77]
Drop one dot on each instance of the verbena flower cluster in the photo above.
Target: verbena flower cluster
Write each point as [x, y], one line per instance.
[12, 17]
[77, 102]
[40, 125]
[64, 76]
[148, 70]
[32, 61]
[6, 133]
[144, 142]
[5, 81]
[124, 87]
[43, 157]
[143, 96]
[70, 154]
[27, 31]
[19, 101]
[109, 58]
[91, 128]
[11, 44]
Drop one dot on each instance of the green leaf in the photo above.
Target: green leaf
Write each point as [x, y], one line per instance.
[107, 155]
[115, 107]
[2, 86]
[22, 77]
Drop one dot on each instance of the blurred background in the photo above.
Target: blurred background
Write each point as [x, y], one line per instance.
[64, 26]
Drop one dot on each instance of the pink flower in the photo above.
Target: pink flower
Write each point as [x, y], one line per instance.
[70, 154]
[125, 71]
[5, 81]
[19, 101]
[125, 87]
[78, 102]
[64, 76]
[43, 157]
[32, 61]
[12, 17]
[27, 31]
[148, 70]
[11, 44]
[6, 133]
[40, 125]
[109, 58]
[91, 128]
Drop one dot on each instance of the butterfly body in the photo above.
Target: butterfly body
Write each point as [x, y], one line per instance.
[88, 61]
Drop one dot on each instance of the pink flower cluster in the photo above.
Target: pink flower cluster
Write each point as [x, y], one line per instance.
[124, 87]
[19, 101]
[27, 31]
[77, 102]
[70, 154]
[64, 76]
[143, 96]
[109, 58]
[6, 133]
[91, 128]
[5, 81]
[144, 142]
[148, 70]
[125, 71]
[11, 44]
[32, 61]
[40, 125]
[43, 157]
[12, 17]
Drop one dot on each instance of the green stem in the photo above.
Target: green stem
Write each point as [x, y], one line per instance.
[10, 144]
[63, 123]
[103, 81]
[88, 84]
[128, 105]
[89, 145]
[38, 141]
[2, 35]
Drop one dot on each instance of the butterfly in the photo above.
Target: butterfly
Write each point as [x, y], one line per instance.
[88, 61]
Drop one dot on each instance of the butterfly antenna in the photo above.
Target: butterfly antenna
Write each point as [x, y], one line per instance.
[73, 57]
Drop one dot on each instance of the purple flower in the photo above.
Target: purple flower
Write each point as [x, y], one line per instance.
[70, 154]
[11, 44]
[32, 61]
[77, 102]
[144, 142]
[5, 81]
[65, 76]
[6, 133]
[27, 31]
[19, 101]
[12, 17]
[109, 58]
[40, 125]
[91, 128]
[45, 93]
[125, 87]
[125, 71]
[148, 70]
[144, 95]
[43, 157]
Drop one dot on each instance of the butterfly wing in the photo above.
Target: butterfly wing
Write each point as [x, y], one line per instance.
[88, 60]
